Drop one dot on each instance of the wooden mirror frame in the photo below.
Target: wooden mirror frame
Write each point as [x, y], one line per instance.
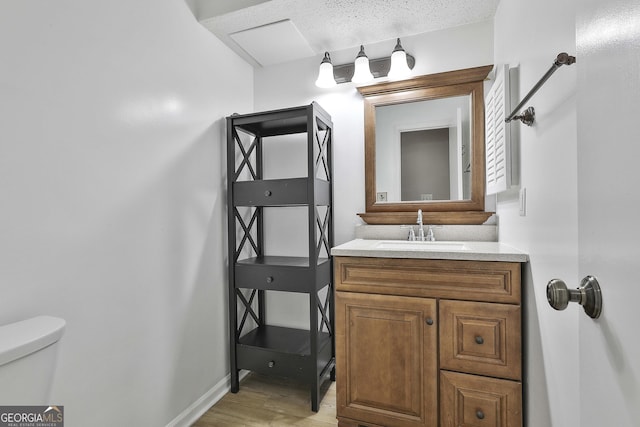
[433, 86]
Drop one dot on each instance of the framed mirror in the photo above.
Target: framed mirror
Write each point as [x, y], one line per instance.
[424, 149]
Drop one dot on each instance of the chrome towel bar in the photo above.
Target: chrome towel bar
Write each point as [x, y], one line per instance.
[528, 116]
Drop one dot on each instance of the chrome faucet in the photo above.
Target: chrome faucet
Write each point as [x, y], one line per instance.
[430, 236]
[421, 237]
[412, 234]
[421, 230]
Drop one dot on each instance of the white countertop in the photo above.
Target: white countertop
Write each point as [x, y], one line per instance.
[470, 251]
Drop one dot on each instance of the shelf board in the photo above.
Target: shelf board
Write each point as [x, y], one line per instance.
[279, 122]
[282, 339]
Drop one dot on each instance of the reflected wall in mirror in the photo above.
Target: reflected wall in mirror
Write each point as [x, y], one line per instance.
[424, 149]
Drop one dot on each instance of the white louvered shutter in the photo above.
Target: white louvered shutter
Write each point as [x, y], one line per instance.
[497, 143]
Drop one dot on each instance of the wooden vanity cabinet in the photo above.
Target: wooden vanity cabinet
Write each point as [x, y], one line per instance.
[426, 343]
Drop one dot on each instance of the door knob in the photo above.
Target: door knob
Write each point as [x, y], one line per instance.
[588, 295]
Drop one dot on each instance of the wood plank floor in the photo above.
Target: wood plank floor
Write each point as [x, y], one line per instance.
[268, 401]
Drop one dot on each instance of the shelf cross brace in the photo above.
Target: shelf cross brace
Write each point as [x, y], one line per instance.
[245, 156]
[322, 146]
[247, 309]
[323, 311]
[247, 233]
[323, 226]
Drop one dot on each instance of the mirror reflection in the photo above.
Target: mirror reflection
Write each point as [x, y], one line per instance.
[423, 150]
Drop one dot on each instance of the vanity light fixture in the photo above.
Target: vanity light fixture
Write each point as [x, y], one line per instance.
[325, 75]
[397, 67]
[362, 73]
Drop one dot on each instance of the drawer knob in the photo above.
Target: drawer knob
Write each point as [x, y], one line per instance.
[269, 279]
[429, 321]
[267, 193]
[480, 414]
[479, 340]
[271, 364]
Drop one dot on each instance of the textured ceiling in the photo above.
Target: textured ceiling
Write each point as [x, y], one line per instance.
[330, 25]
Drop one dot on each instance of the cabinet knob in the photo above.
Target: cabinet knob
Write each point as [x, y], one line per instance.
[479, 340]
[429, 321]
[479, 414]
[271, 364]
[269, 279]
[267, 193]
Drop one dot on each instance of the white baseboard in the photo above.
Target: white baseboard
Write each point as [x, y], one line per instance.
[206, 401]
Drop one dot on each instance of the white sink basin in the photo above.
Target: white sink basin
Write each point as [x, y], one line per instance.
[421, 246]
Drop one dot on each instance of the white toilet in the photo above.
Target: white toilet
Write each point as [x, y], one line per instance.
[27, 360]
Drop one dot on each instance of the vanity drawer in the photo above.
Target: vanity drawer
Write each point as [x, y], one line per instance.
[473, 401]
[481, 338]
[468, 280]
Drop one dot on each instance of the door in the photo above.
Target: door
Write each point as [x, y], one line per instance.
[608, 113]
[386, 351]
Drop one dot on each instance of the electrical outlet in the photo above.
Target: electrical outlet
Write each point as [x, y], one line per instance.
[522, 199]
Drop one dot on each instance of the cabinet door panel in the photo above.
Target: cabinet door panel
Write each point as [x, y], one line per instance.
[386, 359]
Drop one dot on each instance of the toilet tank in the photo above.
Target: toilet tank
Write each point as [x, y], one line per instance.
[28, 353]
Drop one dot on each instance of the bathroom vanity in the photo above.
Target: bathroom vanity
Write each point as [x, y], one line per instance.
[428, 334]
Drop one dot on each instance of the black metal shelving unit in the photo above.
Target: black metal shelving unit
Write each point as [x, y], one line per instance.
[307, 355]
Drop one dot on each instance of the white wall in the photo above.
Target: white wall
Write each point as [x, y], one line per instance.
[530, 38]
[112, 199]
